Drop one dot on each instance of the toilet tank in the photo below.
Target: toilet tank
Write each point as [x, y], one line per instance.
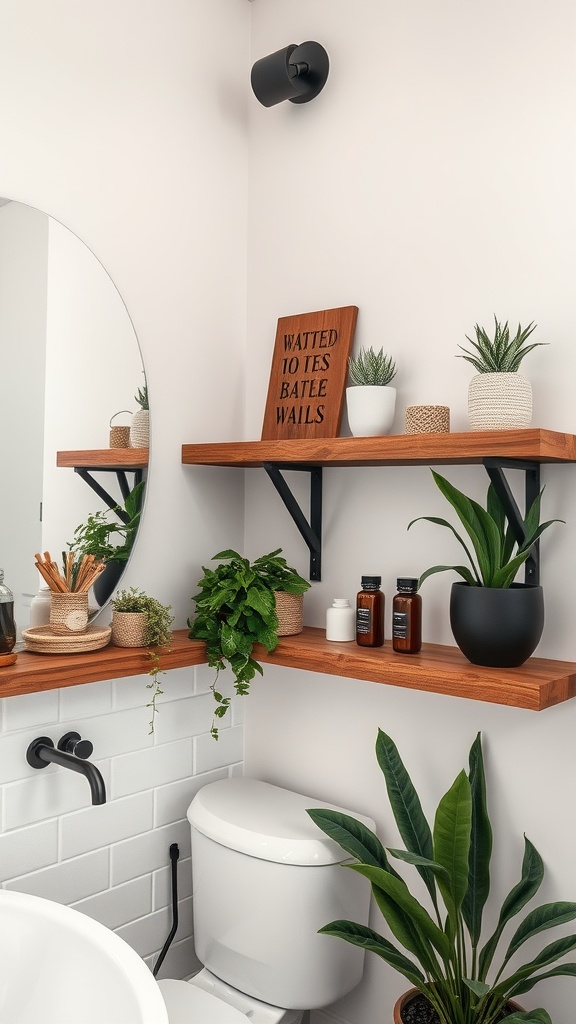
[265, 879]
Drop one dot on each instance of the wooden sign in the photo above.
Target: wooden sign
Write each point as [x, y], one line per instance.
[308, 375]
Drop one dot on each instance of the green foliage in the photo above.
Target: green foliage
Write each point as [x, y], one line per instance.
[371, 368]
[158, 633]
[446, 960]
[141, 397]
[498, 555]
[236, 609]
[97, 535]
[500, 354]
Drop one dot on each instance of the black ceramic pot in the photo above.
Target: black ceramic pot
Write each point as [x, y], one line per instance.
[501, 628]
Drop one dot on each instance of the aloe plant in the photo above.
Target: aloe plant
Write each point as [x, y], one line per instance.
[440, 950]
[500, 354]
[498, 555]
[371, 368]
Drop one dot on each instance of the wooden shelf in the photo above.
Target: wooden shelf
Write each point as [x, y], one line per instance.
[33, 672]
[536, 685]
[471, 447]
[104, 458]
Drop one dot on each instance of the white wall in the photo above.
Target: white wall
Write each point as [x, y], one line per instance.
[431, 184]
[126, 123]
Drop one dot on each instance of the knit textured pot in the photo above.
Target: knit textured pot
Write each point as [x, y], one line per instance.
[129, 629]
[501, 628]
[140, 429]
[499, 401]
[290, 611]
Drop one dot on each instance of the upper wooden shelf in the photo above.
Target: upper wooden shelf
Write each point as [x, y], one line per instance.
[390, 450]
[104, 458]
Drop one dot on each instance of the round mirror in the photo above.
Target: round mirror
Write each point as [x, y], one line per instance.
[71, 371]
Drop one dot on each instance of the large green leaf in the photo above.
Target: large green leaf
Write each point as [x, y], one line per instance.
[406, 929]
[406, 806]
[398, 890]
[538, 1016]
[452, 840]
[354, 837]
[479, 526]
[364, 937]
[538, 920]
[547, 956]
[562, 970]
[480, 846]
[443, 522]
[519, 895]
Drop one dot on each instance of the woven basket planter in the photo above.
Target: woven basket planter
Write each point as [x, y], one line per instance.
[427, 419]
[289, 609]
[119, 436]
[499, 401]
[68, 613]
[129, 629]
[140, 429]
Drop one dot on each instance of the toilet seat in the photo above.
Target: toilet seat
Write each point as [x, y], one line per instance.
[187, 1004]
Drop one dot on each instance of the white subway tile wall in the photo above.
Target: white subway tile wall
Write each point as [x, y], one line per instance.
[112, 861]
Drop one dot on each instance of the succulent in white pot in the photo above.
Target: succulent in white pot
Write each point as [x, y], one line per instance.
[370, 401]
[499, 397]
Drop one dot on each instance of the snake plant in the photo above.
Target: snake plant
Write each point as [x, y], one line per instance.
[440, 951]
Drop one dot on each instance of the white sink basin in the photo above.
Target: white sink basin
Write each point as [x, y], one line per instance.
[56, 964]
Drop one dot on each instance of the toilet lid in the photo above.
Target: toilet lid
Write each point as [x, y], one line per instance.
[187, 1004]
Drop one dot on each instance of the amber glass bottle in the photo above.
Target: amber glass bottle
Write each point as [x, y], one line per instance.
[407, 617]
[370, 613]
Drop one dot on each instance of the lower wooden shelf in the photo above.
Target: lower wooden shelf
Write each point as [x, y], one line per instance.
[536, 685]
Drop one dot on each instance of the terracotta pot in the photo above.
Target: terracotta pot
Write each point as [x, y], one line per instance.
[412, 993]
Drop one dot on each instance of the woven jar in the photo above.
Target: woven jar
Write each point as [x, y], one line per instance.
[427, 419]
[140, 429]
[68, 613]
[119, 436]
[129, 629]
[289, 609]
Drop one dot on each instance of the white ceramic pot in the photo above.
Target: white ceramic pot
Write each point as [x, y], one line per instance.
[370, 409]
[499, 401]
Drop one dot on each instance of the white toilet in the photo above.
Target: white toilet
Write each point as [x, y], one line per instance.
[265, 879]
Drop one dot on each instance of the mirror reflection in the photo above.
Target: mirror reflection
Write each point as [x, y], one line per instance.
[71, 367]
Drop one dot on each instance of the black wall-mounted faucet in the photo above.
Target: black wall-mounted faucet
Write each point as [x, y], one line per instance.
[71, 752]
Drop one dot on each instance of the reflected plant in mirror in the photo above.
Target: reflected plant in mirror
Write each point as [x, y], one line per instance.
[70, 358]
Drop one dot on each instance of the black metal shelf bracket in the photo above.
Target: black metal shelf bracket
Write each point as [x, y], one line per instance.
[310, 529]
[494, 467]
[102, 493]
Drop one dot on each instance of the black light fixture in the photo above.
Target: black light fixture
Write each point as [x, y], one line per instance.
[295, 73]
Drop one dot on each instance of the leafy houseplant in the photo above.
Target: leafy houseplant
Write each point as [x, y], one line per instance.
[157, 632]
[371, 404]
[235, 609]
[499, 397]
[440, 950]
[110, 540]
[495, 621]
[140, 426]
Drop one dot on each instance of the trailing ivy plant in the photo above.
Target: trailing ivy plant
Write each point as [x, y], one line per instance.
[235, 609]
[439, 948]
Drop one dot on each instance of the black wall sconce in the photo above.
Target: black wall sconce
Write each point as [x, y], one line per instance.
[295, 73]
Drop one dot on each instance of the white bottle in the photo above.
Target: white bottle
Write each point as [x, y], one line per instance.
[341, 620]
[40, 607]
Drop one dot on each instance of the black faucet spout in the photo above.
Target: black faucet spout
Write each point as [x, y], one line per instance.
[42, 752]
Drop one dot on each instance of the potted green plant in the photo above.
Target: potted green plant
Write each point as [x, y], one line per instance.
[495, 620]
[142, 621]
[499, 397]
[140, 426]
[441, 950]
[110, 540]
[370, 401]
[236, 608]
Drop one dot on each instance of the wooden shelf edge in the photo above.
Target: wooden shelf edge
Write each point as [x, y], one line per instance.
[107, 458]
[469, 447]
[34, 672]
[534, 686]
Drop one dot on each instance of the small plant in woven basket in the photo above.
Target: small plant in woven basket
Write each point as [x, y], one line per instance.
[157, 632]
[370, 368]
[235, 609]
[500, 354]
